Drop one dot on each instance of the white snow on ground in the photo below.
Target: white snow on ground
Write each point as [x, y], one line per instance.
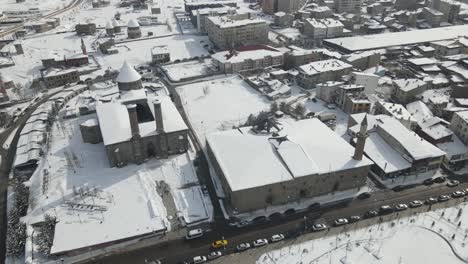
[49, 5]
[106, 214]
[423, 238]
[96, 204]
[220, 104]
[320, 107]
[189, 69]
[27, 66]
[137, 52]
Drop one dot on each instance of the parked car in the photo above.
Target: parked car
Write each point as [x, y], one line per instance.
[364, 195]
[440, 180]
[276, 238]
[443, 198]
[243, 247]
[341, 221]
[465, 191]
[354, 218]
[199, 259]
[194, 233]
[401, 207]
[219, 243]
[453, 183]
[431, 200]
[458, 194]
[260, 242]
[214, 255]
[319, 227]
[371, 213]
[415, 203]
[428, 182]
[385, 209]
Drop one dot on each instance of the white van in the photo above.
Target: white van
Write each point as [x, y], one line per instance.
[194, 233]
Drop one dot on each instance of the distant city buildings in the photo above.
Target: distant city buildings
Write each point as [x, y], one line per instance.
[321, 71]
[248, 58]
[323, 28]
[230, 32]
[350, 6]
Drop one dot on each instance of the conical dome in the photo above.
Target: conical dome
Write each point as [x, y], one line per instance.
[115, 23]
[128, 74]
[109, 25]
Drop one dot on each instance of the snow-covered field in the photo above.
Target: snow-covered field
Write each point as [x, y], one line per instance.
[220, 104]
[48, 5]
[433, 237]
[189, 69]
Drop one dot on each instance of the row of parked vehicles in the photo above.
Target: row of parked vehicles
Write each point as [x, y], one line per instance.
[387, 209]
[239, 248]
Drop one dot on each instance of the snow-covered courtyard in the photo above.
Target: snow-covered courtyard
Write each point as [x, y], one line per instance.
[220, 104]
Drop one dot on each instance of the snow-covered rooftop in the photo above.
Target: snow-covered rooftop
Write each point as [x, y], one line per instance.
[114, 121]
[133, 24]
[397, 110]
[240, 56]
[225, 22]
[417, 147]
[408, 84]
[437, 131]
[128, 74]
[317, 67]
[377, 41]
[386, 157]
[311, 148]
[419, 111]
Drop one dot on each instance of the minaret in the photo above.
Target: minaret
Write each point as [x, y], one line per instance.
[83, 47]
[361, 140]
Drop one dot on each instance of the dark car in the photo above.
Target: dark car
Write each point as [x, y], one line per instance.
[371, 213]
[364, 195]
[440, 179]
[428, 182]
[385, 209]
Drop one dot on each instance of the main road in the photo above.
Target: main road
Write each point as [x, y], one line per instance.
[293, 225]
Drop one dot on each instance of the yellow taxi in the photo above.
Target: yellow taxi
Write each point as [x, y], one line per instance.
[219, 243]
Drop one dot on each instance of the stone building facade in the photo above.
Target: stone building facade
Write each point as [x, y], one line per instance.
[289, 188]
[230, 32]
[85, 29]
[55, 77]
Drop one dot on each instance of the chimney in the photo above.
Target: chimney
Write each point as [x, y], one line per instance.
[132, 115]
[158, 116]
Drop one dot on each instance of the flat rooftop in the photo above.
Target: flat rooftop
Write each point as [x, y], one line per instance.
[385, 40]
